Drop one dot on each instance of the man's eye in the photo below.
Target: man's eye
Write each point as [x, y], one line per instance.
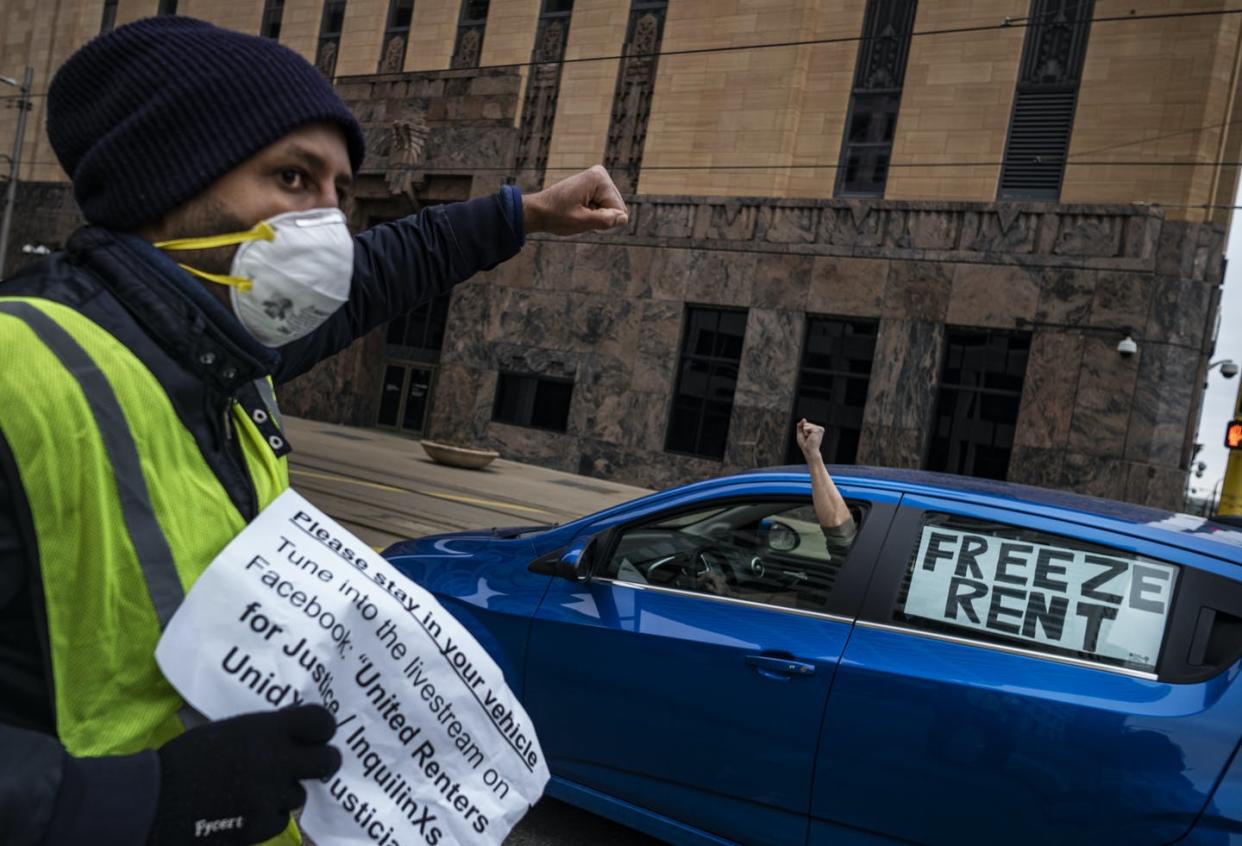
[293, 178]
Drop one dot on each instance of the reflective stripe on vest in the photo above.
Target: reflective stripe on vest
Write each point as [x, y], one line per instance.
[154, 556]
[119, 493]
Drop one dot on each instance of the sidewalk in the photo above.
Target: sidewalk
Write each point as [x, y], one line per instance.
[384, 488]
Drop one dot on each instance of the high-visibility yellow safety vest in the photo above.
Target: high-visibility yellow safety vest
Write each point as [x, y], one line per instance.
[126, 512]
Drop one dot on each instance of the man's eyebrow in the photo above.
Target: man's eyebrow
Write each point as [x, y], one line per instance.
[317, 163]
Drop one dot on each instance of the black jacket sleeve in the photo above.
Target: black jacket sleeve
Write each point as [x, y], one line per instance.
[48, 798]
[401, 264]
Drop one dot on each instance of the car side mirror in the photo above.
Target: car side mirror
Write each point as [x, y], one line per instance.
[575, 562]
[781, 537]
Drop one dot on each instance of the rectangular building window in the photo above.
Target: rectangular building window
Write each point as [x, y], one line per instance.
[631, 100]
[1045, 99]
[330, 27]
[711, 348]
[273, 12]
[396, 36]
[536, 401]
[977, 406]
[108, 22]
[420, 333]
[878, 79]
[471, 25]
[543, 88]
[832, 385]
[167, 7]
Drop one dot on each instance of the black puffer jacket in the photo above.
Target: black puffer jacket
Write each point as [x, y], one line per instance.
[204, 359]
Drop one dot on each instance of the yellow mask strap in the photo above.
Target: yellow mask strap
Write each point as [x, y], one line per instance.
[262, 231]
[241, 283]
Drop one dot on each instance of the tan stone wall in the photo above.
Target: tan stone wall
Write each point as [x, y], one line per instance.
[585, 102]
[432, 32]
[826, 99]
[299, 26]
[41, 35]
[510, 36]
[956, 101]
[241, 15]
[362, 36]
[1154, 90]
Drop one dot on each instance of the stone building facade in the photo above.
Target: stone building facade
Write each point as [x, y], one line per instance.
[928, 224]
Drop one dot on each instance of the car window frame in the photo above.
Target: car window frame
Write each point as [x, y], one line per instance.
[845, 600]
[1193, 583]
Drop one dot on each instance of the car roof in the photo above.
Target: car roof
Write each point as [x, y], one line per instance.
[1185, 530]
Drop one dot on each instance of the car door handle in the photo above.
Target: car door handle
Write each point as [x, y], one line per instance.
[774, 667]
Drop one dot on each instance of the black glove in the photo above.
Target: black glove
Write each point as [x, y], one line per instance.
[236, 781]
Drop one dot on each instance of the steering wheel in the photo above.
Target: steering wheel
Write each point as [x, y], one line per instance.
[714, 559]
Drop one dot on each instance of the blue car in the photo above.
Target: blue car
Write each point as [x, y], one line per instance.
[988, 663]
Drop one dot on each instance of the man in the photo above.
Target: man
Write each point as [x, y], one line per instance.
[833, 515]
[138, 428]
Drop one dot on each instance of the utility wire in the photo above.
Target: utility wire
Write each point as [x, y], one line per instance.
[1007, 23]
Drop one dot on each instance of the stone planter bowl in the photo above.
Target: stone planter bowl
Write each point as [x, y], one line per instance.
[454, 456]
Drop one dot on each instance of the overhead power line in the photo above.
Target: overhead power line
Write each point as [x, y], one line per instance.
[1006, 23]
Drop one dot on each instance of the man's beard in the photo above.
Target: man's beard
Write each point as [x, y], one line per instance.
[201, 219]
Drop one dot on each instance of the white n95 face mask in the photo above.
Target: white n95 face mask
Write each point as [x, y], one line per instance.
[291, 272]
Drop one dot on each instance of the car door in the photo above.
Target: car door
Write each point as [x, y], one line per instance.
[700, 707]
[1017, 679]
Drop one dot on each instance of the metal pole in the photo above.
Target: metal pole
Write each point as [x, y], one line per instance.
[10, 196]
[1231, 490]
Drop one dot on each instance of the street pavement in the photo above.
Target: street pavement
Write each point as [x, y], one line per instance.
[384, 488]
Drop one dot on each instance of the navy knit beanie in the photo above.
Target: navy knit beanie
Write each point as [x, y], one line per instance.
[147, 116]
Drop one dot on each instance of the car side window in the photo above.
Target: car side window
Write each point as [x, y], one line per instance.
[991, 581]
[774, 553]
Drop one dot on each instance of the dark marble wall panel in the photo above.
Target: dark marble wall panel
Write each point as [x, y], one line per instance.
[535, 446]
[554, 264]
[603, 325]
[1122, 300]
[658, 274]
[1048, 390]
[1065, 296]
[1102, 404]
[1159, 487]
[717, 277]
[918, 290]
[458, 393]
[1029, 465]
[659, 333]
[343, 389]
[782, 281]
[902, 393]
[892, 446]
[599, 269]
[757, 437]
[465, 337]
[1160, 411]
[988, 295]
[906, 373]
[1180, 311]
[1094, 475]
[768, 370]
[847, 286]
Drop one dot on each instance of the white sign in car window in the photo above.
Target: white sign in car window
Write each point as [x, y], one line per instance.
[1105, 605]
[435, 747]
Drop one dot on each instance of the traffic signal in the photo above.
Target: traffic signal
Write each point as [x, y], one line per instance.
[1233, 434]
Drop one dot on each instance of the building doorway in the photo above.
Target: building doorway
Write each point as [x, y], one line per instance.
[405, 396]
